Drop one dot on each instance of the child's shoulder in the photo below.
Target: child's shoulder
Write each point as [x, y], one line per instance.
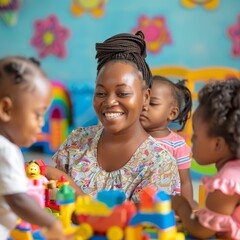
[173, 136]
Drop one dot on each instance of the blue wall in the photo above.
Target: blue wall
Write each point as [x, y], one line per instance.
[198, 35]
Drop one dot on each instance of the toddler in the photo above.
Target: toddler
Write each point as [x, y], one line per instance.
[25, 95]
[171, 102]
[216, 140]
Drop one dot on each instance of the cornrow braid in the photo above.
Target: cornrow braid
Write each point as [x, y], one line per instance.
[128, 47]
[15, 68]
[220, 102]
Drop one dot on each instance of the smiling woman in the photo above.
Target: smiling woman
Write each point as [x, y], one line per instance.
[119, 154]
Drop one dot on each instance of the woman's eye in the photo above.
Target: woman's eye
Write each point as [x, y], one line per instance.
[123, 94]
[100, 94]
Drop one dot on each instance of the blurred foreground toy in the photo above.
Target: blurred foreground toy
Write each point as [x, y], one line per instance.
[110, 216]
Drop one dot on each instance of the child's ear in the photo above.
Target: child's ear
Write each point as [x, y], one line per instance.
[5, 109]
[146, 98]
[173, 114]
[220, 144]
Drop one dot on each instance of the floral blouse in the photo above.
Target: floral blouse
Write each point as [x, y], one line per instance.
[150, 165]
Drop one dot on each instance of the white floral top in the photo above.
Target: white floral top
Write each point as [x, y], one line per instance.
[149, 165]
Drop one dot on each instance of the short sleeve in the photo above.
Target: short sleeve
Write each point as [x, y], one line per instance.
[226, 180]
[74, 148]
[61, 159]
[219, 222]
[12, 172]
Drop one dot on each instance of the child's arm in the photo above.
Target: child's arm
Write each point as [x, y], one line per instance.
[55, 174]
[186, 186]
[183, 209]
[27, 209]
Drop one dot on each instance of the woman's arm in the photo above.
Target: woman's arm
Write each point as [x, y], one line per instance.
[55, 174]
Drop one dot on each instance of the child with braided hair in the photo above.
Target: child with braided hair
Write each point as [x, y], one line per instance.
[216, 140]
[25, 95]
[171, 102]
[119, 153]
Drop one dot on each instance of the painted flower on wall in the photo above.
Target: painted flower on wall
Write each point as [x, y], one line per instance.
[9, 11]
[155, 31]
[50, 37]
[208, 4]
[234, 34]
[95, 7]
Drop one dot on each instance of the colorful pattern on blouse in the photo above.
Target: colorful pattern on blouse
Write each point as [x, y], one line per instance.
[150, 165]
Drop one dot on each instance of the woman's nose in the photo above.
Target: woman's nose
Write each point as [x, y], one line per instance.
[111, 100]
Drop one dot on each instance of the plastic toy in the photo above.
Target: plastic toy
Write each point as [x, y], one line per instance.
[33, 172]
[110, 216]
[24, 230]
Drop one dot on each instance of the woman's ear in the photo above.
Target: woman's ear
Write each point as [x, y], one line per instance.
[5, 109]
[173, 114]
[146, 98]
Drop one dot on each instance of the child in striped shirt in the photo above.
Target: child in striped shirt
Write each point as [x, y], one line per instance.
[171, 102]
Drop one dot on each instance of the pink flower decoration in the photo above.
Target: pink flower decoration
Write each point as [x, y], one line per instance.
[234, 34]
[50, 37]
[155, 31]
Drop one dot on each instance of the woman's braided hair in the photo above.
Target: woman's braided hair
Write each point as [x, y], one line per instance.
[125, 47]
[220, 104]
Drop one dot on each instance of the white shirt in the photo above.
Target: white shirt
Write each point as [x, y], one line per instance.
[12, 180]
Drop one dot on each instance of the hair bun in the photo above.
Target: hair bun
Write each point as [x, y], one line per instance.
[140, 34]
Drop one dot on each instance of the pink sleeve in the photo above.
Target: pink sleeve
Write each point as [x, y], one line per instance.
[182, 155]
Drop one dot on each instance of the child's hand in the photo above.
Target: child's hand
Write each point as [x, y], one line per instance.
[178, 202]
[54, 232]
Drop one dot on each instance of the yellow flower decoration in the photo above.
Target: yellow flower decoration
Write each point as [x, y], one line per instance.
[208, 4]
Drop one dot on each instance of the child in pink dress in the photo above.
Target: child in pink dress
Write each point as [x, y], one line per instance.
[171, 102]
[216, 140]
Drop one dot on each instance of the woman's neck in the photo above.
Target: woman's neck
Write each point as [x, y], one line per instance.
[125, 135]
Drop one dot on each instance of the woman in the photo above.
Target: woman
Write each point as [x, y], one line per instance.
[119, 153]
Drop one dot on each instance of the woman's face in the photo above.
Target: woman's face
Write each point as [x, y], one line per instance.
[119, 96]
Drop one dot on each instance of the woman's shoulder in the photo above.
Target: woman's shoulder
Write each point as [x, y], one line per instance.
[82, 135]
[86, 131]
[157, 149]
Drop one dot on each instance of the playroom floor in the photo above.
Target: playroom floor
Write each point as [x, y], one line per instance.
[28, 156]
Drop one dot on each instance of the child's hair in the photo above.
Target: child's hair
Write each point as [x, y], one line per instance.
[220, 104]
[126, 47]
[183, 97]
[12, 66]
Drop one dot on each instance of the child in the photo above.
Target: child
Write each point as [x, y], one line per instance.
[170, 102]
[119, 153]
[216, 139]
[25, 95]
